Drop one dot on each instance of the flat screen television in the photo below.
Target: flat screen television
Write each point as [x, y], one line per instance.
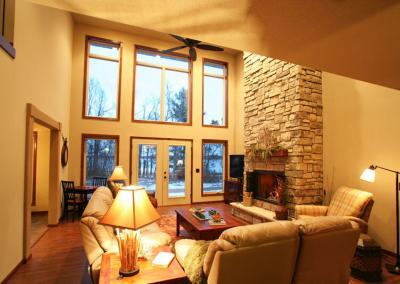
[236, 166]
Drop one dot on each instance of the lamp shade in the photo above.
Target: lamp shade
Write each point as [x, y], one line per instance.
[118, 174]
[368, 174]
[131, 209]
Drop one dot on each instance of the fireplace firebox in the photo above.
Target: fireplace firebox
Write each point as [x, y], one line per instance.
[266, 185]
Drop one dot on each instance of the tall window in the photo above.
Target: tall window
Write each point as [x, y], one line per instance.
[161, 87]
[214, 166]
[100, 156]
[102, 90]
[7, 15]
[215, 98]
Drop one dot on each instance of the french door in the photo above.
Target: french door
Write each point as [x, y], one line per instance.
[163, 167]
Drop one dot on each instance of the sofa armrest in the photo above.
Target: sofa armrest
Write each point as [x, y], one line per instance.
[359, 223]
[310, 210]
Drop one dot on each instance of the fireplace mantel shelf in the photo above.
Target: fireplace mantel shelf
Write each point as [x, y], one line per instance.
[264, 214]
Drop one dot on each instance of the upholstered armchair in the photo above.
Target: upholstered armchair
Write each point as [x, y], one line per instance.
[353, 204]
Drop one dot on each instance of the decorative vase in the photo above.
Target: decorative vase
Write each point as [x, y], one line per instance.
[281, 214]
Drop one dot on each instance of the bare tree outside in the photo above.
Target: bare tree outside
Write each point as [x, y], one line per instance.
[97, 104]
[213, 165]
[100, 158]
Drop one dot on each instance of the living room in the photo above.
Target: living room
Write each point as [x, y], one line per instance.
[338, 121]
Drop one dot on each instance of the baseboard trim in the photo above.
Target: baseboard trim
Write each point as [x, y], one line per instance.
[12, 272]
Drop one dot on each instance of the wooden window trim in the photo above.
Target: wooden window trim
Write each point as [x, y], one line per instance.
[86, 136]
[190, 84]
[5, 43]
[225, 171]
[118, 44]
[7, 46]
[225, 64]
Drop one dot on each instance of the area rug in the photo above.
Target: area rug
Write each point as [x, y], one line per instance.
[167, 224]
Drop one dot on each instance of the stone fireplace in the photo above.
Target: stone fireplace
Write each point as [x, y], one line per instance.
[286, 100]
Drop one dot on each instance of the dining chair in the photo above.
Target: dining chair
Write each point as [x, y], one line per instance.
[99, 181]
[71, 202]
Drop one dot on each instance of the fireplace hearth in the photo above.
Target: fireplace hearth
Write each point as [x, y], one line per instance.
[266, 185]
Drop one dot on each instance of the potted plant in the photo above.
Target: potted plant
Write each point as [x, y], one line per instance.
[277, 151]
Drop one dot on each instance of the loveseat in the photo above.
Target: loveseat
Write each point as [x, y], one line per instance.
[317, 250]
[98, 239]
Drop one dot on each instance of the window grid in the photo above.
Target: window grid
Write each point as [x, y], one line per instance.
[85, 138]
[163, 69]
[224, 65]
[89, 55]
[224, 144]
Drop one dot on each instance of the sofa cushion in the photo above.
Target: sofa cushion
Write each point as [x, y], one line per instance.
[322, 224]
[103, 234]
[251, 235]
[348, 202]
[99, 203]
[151, 240]
[182, 247]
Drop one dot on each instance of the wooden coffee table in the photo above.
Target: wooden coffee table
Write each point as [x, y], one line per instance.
[201, 230]
[110, 264]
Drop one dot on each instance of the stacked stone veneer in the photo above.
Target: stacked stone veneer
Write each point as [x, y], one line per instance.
[287, 100]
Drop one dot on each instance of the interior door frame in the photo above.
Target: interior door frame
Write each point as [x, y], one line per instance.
[34, 115]
[162, 138]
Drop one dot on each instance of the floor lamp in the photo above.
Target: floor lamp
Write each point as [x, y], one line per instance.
[369, 175]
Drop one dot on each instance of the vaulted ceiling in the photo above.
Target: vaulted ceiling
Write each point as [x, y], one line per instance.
[354, 38]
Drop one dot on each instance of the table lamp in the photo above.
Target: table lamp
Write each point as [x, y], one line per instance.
[117, 179]
[369, 176]
[130, 211]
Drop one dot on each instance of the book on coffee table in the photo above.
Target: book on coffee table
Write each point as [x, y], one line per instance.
[217, 223]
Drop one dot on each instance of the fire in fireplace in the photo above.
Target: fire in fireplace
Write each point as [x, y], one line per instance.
[266, 185]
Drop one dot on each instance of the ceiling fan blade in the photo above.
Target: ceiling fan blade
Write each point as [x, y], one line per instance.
[209, 47]
[192, 42]
[173, 49]
[182, 39]
[193, 54]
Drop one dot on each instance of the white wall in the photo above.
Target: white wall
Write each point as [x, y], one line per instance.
[40, 75]
[361, 127]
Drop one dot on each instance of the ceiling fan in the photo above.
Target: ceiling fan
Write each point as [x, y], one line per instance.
[192, 44]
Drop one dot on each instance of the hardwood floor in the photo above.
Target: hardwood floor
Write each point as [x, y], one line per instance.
[58, 257]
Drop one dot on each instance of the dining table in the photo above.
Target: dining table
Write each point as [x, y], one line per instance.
[83, 191]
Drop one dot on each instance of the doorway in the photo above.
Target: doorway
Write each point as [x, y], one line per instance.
[163, 167]
[40, 182]
[35, 116]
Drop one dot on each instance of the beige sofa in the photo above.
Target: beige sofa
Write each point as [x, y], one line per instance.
[98, 239]
[317, 250]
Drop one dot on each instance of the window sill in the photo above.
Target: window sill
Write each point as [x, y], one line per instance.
[7, 46]
[162, 122]
[203, 194]
[100, 118]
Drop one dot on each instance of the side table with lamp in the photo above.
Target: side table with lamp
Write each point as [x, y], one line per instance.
[130, 211]
[369, 176]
